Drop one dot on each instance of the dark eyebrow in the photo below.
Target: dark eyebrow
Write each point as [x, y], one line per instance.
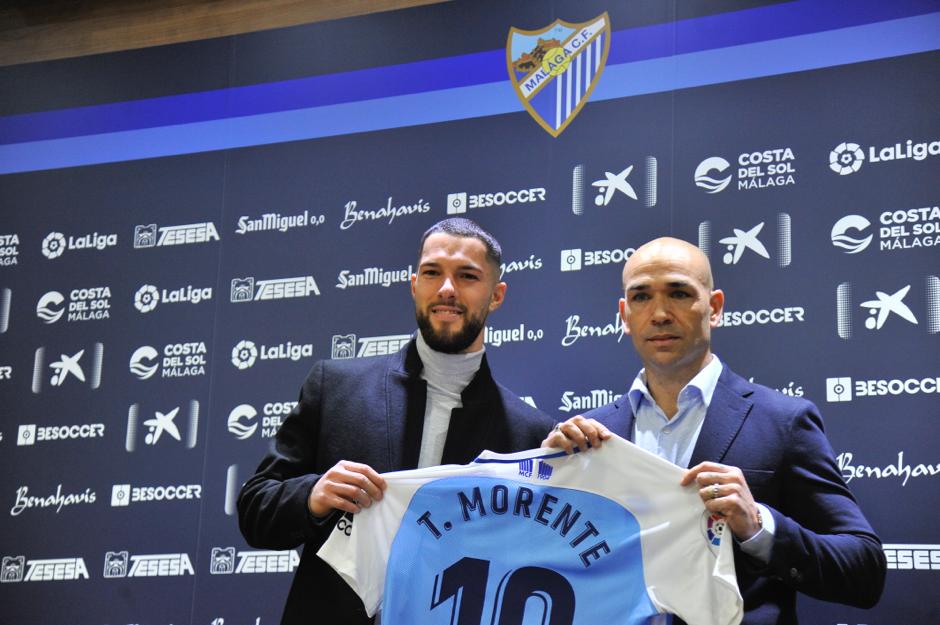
[675, 284]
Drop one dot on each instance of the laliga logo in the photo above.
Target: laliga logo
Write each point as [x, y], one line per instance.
[53, 245]
[143, 363]
[241, 421]
[703, 176]
[851, 245]
[846, 158]
[244, 354]
[146, 298]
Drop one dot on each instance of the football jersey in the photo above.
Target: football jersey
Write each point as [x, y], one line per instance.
[599, 538]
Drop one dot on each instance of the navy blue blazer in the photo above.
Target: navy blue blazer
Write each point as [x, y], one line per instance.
[823, 546]
[368, 410]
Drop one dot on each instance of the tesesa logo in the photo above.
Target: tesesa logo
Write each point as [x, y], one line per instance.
[150, 565]
[149, 236]
[745, 243]
[47, 570]
[55, 244]
[913, 557]
[616, 189]
[887, 308]
[344, 345]
[222, 561]
[248, 290]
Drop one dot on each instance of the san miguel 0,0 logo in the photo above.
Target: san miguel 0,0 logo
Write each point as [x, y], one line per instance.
[554, 69]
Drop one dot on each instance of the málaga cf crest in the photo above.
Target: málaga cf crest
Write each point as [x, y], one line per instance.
[554, 70]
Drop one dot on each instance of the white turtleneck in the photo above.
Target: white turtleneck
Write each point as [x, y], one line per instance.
[447, 376]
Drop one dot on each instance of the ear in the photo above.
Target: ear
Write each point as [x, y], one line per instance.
[623, 315]
[717, 303]
[498, 295]
[414, 278]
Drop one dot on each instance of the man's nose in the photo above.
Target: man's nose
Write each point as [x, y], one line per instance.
[447, 288]
[661, 311]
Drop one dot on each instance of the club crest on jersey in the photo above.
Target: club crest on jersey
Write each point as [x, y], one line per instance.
[554, 70]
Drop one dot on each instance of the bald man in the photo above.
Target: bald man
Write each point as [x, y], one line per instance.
[760, 459]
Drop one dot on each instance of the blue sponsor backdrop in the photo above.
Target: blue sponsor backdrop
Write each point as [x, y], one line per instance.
[185, 229]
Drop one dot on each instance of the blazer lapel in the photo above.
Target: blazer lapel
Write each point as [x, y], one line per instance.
[726, 413]
[405, 394]
[621, 418]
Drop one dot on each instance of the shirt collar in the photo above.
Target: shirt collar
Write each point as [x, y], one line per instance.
[704, 382]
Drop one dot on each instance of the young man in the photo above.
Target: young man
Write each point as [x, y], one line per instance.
[760, 459]
[434, 402]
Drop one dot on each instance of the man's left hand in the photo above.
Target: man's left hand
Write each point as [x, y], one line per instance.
[725, 493]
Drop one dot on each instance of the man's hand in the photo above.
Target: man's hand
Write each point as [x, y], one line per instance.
[725, 493]
[347, 486]
[577, 432]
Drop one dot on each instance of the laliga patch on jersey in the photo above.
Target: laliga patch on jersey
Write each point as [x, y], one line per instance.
[554, 70]
[713, 527]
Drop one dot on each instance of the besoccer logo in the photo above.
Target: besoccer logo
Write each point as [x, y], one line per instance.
[851, 245]
[244, 354]
[146, 298]
[846, 158]
[456, 203]
[571, 260]
[704, 178]
[838, 389]
[53, 245]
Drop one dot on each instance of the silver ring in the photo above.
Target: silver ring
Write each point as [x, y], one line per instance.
[714, 491]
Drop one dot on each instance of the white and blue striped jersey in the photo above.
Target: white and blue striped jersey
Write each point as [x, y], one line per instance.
[599, 538]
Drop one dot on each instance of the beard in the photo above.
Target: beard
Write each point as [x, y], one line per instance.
[451, 342]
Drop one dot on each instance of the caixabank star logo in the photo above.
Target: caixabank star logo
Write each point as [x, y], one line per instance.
[554, 69]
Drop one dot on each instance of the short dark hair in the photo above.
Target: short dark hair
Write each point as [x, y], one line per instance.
[460, 227]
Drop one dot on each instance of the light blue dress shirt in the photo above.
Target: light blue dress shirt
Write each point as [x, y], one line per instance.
[674, 439]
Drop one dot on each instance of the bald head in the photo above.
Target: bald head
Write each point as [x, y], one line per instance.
[671, 253]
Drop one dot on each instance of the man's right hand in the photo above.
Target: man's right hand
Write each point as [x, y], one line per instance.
[347, 486]
[577, 432]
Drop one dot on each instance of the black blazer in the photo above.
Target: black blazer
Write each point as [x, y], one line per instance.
[823, 545]
[368, 410]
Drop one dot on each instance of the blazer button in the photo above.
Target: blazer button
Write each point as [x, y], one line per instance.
[795, 575]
